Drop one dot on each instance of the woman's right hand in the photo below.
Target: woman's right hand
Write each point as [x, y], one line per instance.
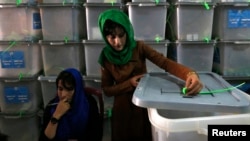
[135, 80]
[62, 107]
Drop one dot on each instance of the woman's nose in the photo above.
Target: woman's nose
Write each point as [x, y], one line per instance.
[117, 41]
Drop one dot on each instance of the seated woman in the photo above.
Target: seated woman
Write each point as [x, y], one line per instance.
[72, 115]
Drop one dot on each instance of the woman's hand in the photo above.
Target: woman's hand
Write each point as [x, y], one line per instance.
[135, 80]
[62, 107]
[193, 84]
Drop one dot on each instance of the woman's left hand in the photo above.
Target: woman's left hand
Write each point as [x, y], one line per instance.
[193, 84]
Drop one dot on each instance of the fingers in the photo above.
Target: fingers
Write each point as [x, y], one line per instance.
[65, 103]
[139, 76]
[135, 80]
[193, 85]
[66, 100]
[194, 88]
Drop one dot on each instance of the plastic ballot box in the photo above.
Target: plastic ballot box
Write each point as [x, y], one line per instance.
[175, 116]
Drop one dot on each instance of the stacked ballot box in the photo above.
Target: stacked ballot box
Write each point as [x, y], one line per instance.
[192, 1]
[148, 19]
[20, 23]
[231, 28]
[20, 127]
[195, 54]
[94, 43]
[62, 21]
[103, 1]
[149, 1]
[59, 55]
[19, 58]
[93, 10]
[189, 27]
[19, 2]
[190, 21]
[20, 95]
[20, 63]
[231, 21]
[231, 58]
[63, 1]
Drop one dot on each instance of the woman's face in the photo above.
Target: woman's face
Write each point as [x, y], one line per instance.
[63, 93]
[118, 39]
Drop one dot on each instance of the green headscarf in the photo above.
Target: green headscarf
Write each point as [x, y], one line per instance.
[121, 57]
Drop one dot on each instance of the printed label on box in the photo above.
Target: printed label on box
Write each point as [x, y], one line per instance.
[37, 21]
[15, 95]
[12, 59]
[238, 19]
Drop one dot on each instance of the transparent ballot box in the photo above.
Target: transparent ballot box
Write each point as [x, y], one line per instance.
[174, 116]
[20, 58]
[20, 95]
[20, 23]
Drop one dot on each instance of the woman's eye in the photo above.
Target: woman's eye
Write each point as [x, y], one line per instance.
[60, 89]
[121, 35]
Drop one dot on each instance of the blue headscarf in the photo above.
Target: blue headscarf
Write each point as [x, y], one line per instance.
[73, 124]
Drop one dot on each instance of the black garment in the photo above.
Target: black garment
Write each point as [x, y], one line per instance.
[94, 127]
[3, 137]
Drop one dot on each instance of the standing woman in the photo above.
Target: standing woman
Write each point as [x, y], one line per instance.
[72, 115]
[123, 62]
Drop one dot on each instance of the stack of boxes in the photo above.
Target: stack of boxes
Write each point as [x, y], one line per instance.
[21, 62]
[94, 43]
[63, 29]
[190, 30]
[232, 30]
[148, 18]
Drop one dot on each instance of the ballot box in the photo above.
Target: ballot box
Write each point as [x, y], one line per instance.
[176, 116]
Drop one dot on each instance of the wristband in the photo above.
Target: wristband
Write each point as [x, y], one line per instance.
[54, 120]
[191, 73]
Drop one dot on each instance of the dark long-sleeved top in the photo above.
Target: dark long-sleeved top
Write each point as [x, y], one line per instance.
[94, 128]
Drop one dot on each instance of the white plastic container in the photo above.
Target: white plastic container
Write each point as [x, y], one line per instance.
[148, 20]
[232, 58]
[63, 21]
[103, 1]
[20, 58]
[63, 1]
[161, 47]
[231, 21]
[60, 55]
[20, 2]
[93, 10]
[195, 54]
[92, 50]
[148, 0]
[198, 25]
[20, 23]
[20, 95]
[232, 1]
[170, 125]
[192, 1]
[174, 117]
[48, 85]
[20, 127]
